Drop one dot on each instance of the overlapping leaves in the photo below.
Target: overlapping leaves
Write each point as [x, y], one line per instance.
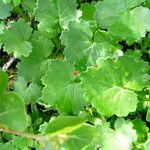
[83, 47]
[55, 14]
[90, 70]
[29, 67]
[60, 89]
[123, 19]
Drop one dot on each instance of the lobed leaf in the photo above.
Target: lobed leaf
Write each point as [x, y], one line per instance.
[55, 14]
[18, 34]
[60, 90]
[110, 87]
[83, 47]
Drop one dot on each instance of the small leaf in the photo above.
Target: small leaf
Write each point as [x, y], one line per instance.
[30, 93]
[18, 34]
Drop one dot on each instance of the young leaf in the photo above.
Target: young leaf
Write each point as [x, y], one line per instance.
[30, 93]
[60, 89]
[18, 34]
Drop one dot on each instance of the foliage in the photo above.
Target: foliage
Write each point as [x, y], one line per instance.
[80, 79]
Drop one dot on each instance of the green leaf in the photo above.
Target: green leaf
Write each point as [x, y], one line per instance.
[147, 3]
[109, 87]
[122, 21]
[121, 138]
[5, 146]
[12, 108]
[3, 81]
[16, 2]
[18, 34]
[70, 132]
[148, 115]
[108, 11]
[29, 5]
[60, 89]
[5, 10]
[12, 112]
[147, 143]
[41, 50]
[55, 14]
[2, 27]
[141, 129]
[6, 1]
[20, 143]
[135, 3]
[30, 93]
[86, 8]
[134, 28]
[83, 48]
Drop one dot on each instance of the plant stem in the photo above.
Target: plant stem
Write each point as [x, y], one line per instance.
[24, 134]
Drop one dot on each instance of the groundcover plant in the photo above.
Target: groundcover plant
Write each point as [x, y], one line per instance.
[74, 74]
